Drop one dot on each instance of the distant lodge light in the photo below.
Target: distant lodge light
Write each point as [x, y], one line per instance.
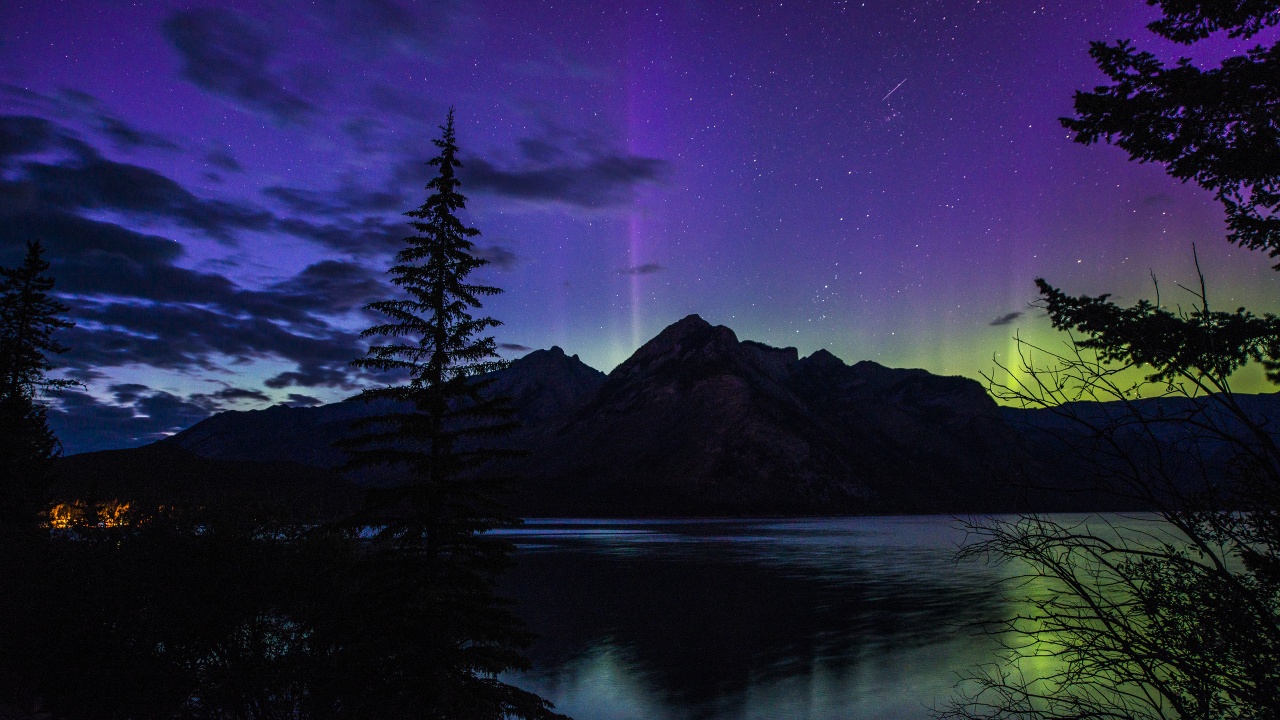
[78, 513]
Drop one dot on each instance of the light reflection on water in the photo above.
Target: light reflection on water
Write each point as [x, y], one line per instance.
[693, 619]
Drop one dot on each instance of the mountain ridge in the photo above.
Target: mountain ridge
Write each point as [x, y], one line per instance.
[699, 422]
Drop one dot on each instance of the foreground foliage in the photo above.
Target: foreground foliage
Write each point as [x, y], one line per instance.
[1214, 127]
[116, 610]
[1178, 618]
[1168, 615]
[29, 316]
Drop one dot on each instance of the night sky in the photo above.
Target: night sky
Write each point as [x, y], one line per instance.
[219, 187]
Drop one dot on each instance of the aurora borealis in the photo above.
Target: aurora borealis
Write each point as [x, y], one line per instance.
[219, 186]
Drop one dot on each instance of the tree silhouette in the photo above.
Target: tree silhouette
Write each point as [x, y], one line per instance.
[237, 610]
[1214, 127]
[430, 562]
[1179, 618]
[29, 316]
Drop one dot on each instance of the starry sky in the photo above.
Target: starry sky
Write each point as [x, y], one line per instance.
[220, 186]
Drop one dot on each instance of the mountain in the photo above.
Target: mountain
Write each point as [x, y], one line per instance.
[165, 474]
[1175, 445]
[698, 422]
[545, 386]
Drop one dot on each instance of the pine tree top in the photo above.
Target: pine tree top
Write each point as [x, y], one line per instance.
[30, 317]
[439, 436]
[439, 338]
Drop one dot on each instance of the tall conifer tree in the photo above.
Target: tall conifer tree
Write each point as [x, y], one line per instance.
[28, 318]
[440, 636]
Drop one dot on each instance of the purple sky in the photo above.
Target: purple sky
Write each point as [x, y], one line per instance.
[220, 186]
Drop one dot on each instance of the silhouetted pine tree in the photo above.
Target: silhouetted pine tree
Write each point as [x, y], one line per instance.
[28, 319]
[435, 640]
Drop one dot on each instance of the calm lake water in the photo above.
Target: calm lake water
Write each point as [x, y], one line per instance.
[808, 619]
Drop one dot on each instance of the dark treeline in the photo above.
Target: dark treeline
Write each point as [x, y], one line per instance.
[116, 608]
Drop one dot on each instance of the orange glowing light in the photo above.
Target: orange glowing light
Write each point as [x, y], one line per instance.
[110, 514]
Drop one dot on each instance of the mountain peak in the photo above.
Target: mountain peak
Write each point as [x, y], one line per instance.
[552, 362]
[685, 325]
[691, 327]
[824, 359]
[699, 422]
[677, 340]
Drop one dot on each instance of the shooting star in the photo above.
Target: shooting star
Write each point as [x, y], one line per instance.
[895, 89]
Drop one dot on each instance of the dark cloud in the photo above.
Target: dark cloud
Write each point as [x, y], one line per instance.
[388, 100]
[514, 347]
[645, 269]
[364, 237]
[21, 94]
[136, 414]
[85, 425]
[90, 182]
[353, 195]
[73, 240]
[84, 376]
[372, 27]
[128, 392]
[100, 258]
[87, 110]
[300, 400]
[347, 199]
[224, 53]
[235, 394]
[541, 150]
[29, 135]
[369, 135]
[97, 258]
[25, 135]
[139, 415]
[1005, 319]
[170, 412]
[99, 184]
[299, 200]
[556, 63]
[76, 97]
[335, 285]
[312, 376]
[127, 137]
[499, 256]
[136, 305]
[603, 181]
[188, 337]
[223, 159]
[133, 305]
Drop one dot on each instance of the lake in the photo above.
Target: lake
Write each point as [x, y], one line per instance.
[867, 617]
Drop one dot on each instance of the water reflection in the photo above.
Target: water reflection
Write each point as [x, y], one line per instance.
[830, 618]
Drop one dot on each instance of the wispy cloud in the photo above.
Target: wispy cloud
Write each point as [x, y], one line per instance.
[499, 256]
[604, 181]
[645, 269]
[224, 53]
[1006, 319]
